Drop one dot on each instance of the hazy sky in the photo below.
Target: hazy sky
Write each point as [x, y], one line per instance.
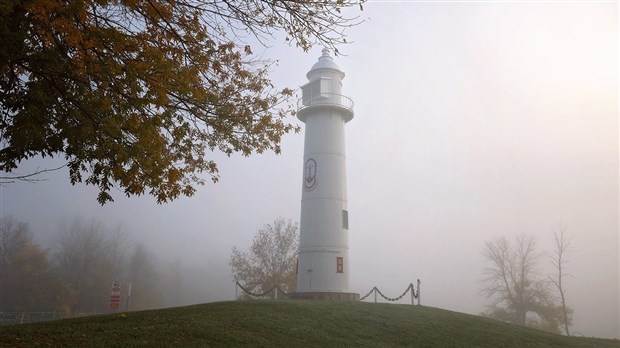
[472, 121]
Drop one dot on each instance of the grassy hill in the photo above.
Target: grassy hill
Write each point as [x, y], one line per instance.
[288, 323]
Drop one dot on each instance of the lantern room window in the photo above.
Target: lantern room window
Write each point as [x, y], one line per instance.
[318, 88]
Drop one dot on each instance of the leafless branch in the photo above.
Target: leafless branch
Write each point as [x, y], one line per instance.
[31, 177]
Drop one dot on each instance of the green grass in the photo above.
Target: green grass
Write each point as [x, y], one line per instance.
[286, 324]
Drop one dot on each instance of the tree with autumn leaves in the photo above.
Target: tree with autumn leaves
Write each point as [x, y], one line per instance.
[134, 93]
[271, 260]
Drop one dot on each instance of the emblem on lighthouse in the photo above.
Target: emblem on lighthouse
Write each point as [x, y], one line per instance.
[310, 174]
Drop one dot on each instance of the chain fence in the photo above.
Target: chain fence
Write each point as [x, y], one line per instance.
[415, 293]
[276, 289]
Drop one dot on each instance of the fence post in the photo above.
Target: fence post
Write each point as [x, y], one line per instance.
[412, 293]
[236, 291]
[375, 288]
[276, 290]
[419, 292]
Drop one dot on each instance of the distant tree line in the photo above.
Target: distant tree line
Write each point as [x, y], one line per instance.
[75, 275]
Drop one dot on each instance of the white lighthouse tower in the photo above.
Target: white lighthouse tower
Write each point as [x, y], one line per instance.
[323, 263]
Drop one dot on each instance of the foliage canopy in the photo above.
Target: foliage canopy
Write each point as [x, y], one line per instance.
[132, 93]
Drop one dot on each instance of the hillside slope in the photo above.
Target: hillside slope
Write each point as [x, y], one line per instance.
[288, 323]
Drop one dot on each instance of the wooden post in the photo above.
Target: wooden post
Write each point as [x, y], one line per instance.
[375, 288]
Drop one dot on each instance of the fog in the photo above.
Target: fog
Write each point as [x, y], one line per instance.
[472, 121]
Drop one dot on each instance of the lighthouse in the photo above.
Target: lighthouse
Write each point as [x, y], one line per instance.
[323, 266]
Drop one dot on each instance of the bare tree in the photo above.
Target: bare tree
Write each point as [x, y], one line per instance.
[271, 260]
[562, 244]
[87, 257]
[512, 284]
[14, 235]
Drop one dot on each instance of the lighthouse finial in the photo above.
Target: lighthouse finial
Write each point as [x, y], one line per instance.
[325, 52]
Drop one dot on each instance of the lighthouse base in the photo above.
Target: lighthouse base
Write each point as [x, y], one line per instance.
[325, 296]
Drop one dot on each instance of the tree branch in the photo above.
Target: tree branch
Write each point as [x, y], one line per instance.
[10, 179]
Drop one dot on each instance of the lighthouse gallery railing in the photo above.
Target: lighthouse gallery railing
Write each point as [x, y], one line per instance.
[326, 99]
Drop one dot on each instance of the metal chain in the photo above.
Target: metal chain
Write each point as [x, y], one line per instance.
[396, 298]
[368, 294]
[410, 287]
[374, 288]
[264, 293]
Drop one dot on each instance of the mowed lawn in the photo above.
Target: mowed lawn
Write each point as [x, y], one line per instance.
[287, 324]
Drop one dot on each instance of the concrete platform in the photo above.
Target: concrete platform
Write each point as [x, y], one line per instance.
[325, 296]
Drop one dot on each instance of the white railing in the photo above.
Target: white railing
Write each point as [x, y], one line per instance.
[11, 318]
[326, 99]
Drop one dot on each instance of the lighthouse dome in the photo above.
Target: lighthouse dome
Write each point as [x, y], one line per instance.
[325, 62]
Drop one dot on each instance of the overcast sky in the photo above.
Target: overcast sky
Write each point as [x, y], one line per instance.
[472, 121]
